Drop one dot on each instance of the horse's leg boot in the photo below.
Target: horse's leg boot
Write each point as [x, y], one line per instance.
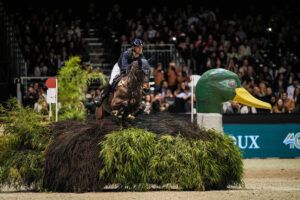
[103, 95]
[130, 117]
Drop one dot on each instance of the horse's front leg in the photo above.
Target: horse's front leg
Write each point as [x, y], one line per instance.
[99, 113]
[118, 113]
[118, 103]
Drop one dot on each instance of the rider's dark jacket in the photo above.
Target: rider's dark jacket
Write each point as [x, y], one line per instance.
[127, 58]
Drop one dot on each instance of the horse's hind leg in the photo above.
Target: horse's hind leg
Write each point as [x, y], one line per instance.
[118, 113]
[99, 113]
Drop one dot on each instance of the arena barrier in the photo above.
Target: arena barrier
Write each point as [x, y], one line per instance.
[265, 135]
[164, 53]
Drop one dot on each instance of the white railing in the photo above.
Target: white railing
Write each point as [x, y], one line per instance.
[163, 53]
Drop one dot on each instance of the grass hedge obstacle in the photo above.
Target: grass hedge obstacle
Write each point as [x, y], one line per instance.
[34, 152]
[170, 153]
[135, 159]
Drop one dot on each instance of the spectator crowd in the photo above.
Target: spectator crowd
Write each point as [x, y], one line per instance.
[261, 47]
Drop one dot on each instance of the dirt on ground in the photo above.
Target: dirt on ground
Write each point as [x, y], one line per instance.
[264, 179]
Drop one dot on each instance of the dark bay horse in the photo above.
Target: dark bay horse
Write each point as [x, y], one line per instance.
[125, 100]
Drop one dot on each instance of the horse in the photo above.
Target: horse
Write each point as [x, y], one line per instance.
[124, 102]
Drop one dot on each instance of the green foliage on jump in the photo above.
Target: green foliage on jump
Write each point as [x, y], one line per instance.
[227, 157]
[174, 163]
[26, 136]
[126, 155]
[73, 81]
[135, 159]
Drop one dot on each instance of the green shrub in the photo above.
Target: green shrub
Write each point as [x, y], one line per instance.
[126, 155]
[73, 81]
[174, 164]
[25, 138]
[228, 157]
[206, 164]
[135, 158]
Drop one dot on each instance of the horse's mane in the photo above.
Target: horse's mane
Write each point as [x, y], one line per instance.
[135, 75]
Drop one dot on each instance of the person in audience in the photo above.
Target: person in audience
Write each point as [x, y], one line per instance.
[173, 76]
[280, 107]
[289, 103]
[32, 97]
[159, 76]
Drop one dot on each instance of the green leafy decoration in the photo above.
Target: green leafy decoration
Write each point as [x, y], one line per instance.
[135, 159]
[126, 155]
[22, 146]
[73, 81]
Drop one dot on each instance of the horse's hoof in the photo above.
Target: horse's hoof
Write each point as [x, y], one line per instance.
[114, 112]
[130, 117]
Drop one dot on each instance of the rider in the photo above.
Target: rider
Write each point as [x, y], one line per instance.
[135, 53]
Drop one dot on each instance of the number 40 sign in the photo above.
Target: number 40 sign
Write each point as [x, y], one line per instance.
[293, 140]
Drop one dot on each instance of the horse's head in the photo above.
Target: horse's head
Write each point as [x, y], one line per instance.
[137, 71]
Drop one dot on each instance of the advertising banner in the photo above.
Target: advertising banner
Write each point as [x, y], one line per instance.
[266, 140]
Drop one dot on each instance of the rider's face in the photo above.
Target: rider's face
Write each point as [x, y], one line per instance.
[138, 50]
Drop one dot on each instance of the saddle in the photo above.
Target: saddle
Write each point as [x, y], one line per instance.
[116, 80]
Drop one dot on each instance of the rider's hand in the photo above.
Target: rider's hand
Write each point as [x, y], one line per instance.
[146, 86]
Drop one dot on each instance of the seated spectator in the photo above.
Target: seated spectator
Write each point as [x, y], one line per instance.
[159, 76]
[37, 71]
[231, 107]
[169, 100]
[289, 103]
[269, 94]
[163, 88]
[41, 105]
[156, 103]
[280, 107]
[173, 76]
[247, 109]
[273, 100]
[183, 97]
[280, 84]
[147, 104]
[292, 87]
[296, 95]
[185, 73]
[232, 66]
[31, 97]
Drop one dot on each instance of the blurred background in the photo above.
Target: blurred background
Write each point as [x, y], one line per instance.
[259, 42]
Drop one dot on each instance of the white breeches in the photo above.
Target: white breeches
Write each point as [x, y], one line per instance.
[115, 71]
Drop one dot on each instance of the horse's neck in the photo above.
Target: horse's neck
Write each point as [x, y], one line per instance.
[132, 81]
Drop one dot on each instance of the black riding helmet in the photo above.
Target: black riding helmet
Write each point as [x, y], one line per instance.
[137, 42]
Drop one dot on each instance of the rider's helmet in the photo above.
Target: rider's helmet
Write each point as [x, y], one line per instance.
[137, 42]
